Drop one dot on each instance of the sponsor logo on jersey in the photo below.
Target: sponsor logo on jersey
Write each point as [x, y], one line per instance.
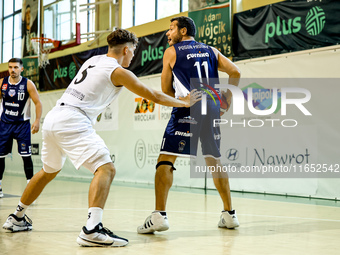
[11, 92]
[197, 55]
[186, 134]
[4, 87]
[190, 47]
[181, 146]
[75, 93]
[188, 119]
[22, 87]
[12, 113]
[12, 104]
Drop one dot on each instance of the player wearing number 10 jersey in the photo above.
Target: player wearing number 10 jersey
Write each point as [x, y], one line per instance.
[16, 94]
[188, 64]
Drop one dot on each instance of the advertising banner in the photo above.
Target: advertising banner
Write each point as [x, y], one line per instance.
[285, 27]
[29, 26]
[149, 115]
[31, 70]
[4, 74]
[283, 152]
[148, 57]
[199, 4]
[213, 26]
[147, 60]
[60, 71]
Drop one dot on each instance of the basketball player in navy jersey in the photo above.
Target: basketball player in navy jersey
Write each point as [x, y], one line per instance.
[68, 131]
[183, 60]
[15, 114]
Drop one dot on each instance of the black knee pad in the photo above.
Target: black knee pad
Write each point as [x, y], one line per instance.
[168, 163]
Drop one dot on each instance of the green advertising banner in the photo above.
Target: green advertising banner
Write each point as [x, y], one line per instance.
[286, 27]
[31, 70]
[213, 26]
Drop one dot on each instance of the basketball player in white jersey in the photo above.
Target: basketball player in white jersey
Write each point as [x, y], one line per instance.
[68, 131]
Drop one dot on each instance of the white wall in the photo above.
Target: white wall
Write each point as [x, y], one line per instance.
[320, 64]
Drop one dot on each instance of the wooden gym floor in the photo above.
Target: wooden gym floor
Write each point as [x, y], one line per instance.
[268, 226]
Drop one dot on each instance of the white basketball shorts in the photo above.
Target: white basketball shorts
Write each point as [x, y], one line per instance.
[68, 132]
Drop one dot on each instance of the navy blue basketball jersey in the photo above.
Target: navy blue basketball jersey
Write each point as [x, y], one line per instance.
[15, 105]
[196, 67]
[196, 61]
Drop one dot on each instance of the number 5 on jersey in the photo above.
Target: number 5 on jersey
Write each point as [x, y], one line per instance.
[84, 74]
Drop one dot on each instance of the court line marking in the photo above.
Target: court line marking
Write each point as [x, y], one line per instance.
[191, 212]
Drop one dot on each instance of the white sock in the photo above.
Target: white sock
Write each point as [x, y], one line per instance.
[163, 213]
[21, 209]
[95, 215]
[28, 181]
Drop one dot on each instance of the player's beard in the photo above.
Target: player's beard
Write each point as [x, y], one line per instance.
[177, 38]
[14, 75]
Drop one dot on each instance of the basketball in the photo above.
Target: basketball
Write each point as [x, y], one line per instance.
[224, 105]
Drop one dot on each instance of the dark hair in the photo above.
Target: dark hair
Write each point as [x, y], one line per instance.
[121, 36]
[15, 60]
[186, 22]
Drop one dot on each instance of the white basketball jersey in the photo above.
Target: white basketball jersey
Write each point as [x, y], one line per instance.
[91, 90]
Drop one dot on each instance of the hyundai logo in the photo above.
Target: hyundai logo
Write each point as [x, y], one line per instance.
[232, 154]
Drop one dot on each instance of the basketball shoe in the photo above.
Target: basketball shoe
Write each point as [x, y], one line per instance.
[1, 194]
[100, 236]
[157, 221]
[15, 224]
[228, 220]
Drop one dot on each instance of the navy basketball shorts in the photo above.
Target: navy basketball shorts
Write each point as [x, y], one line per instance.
[187, 125]
[19, 131]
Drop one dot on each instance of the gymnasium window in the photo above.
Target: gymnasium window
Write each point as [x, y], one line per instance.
[60, 20]
[86, 18]
[137, 12]
[10, 30]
